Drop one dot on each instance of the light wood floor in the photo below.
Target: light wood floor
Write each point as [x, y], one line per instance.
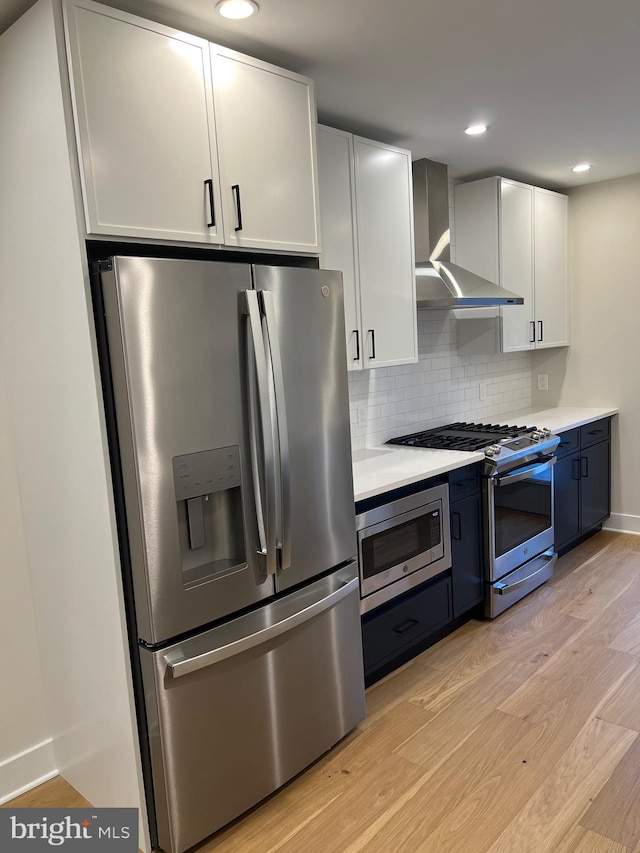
[516, 735]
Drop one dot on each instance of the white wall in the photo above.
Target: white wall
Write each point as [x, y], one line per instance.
[26, 751]
[57, 426]
[602, 365]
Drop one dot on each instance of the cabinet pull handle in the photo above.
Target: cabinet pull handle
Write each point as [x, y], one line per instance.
[209, 184]
[357, 355]
[584, 466]
[595, 432]
[456, 527]
[373, 343]
[576, 469]
[532, 339]
[404, 626]
[235, 189]
[541, 324]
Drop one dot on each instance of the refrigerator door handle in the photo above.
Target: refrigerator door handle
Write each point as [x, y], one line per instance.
[284, 534]
[184, 667]
[268, 548]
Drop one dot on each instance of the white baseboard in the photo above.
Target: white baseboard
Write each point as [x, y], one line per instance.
[27, 769]
[621, 523]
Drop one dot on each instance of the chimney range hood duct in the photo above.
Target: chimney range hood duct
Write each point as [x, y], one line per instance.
[439, 283]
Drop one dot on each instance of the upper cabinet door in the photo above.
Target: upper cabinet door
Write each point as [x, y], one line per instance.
[266, 126]
[337, 217]
[550, 264]
[384, 215]
[516, 264]
[143, 107]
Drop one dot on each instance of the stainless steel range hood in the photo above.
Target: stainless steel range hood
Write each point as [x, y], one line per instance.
[439, 283]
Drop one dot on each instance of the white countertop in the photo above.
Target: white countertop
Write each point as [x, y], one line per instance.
[380, 469]
[559, 419]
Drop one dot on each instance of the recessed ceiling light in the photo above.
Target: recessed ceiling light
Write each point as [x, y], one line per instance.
[581, 167]
[475, 129]
[236, 9]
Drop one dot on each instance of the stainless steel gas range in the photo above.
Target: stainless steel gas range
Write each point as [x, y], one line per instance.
[518, 503]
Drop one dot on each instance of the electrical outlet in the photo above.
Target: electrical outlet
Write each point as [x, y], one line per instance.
[361, 409]
[543, 382]
[482, 388]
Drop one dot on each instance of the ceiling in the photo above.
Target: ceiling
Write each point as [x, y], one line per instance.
[557, 81]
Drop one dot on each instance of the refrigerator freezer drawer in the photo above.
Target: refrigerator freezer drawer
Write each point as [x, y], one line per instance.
[239, 710]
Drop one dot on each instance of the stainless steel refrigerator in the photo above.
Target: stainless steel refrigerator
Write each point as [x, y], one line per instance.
[231, 455]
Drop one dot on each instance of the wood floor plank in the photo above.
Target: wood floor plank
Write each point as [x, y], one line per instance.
[580, 840]
[623, 707]
[348, 816]
[628, 640]
[615, 812]
[610, 580]
[614, 618]
[577, 680]
[562, 798]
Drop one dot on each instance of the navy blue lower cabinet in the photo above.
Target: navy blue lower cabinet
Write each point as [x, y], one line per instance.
[582, 481]
[466, 554]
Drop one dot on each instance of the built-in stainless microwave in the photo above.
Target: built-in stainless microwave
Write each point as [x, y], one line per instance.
[402, 544]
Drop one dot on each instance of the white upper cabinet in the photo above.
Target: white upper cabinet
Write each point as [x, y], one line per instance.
[337, 216]
[266, 130]
[144, 111]
[183, 140]
[367, 232]
[550, 265]
[516, 235]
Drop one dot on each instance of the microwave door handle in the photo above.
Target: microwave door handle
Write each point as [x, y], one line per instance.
[524, 473]
[284, 534]
[266, 534]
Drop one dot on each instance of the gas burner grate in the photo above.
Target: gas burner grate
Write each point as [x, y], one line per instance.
[461, 436]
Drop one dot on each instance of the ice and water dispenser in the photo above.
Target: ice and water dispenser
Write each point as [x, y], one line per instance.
[210, 518]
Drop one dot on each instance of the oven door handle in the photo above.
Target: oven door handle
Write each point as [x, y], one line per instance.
[506, 588]
[524, 473]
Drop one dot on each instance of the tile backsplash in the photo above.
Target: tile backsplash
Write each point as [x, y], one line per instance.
[442, 387]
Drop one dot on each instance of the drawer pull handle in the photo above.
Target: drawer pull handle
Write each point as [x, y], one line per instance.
[584, 466]
[404, 626]
[595, 432]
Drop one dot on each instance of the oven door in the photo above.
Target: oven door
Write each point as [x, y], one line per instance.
[520, 516]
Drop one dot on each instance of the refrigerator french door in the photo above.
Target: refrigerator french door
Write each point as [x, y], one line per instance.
[229, 390]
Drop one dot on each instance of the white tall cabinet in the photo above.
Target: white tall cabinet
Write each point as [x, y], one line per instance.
[184, 140]
[366, 211]
[516, 235]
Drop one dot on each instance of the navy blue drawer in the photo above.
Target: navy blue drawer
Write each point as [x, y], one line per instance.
[597, 431]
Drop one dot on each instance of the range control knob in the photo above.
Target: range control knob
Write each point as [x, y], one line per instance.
[546, 432]
[492, 450]
[537, 434]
